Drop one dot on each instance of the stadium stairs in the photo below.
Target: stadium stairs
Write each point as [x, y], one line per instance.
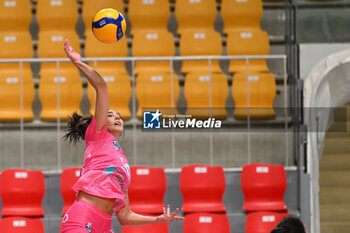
[335, 178]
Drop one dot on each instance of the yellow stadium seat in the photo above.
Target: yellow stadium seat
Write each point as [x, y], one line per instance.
[10, 98]
[16, 15]
[119, 88]
[70, 94]
[197, 89]
[195, 14]
[239, 14]
[15, 45]
[91, 7]
[94, 48]
[262, 92]
[153, 44]
[50, 45]
[153, 91]
[57, 14]
[200, 43]
[148, 15]
[247, 42]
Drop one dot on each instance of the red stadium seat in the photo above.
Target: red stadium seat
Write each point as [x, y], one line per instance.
[22, 192]
[153, 228]
[202, 188]
[206, 223]
[263, 222]
[21, 225]
[263, 186]
[147, 189]
[68, 178]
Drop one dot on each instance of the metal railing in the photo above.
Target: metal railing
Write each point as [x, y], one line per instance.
[282, 58]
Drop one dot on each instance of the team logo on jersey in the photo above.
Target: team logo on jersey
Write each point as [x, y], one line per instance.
[65, 218]
[116, 144]
[88, 227]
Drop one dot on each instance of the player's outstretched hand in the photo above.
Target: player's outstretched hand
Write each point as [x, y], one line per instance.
[73, 56]
[167, 217]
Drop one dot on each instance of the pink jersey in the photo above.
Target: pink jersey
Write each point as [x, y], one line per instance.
[105, 172]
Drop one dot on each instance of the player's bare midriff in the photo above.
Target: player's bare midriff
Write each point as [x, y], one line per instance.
[104, 204]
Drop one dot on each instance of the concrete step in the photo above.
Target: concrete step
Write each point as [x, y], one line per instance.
[335, 178]
[335, 162]
[335, 195]
[338, 145]
[335, 213]
[339, 129]
[341, 114]
[335, 227]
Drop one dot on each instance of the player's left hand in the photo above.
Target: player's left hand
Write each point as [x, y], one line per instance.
[167, 216]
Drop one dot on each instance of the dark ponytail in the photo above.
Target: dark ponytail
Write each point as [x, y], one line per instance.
[76, 127]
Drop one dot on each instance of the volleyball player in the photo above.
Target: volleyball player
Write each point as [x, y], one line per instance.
[102, 188]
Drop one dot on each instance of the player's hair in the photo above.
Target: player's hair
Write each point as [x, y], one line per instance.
[76, 127]
[290, 225]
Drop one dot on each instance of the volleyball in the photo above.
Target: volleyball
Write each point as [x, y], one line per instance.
[108, 25]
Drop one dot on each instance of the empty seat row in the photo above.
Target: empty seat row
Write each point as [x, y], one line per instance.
[258, 222]
[143, 14]
[156, 44]
[193, 223]
[202, 188]
[205, 95]
[243, 42]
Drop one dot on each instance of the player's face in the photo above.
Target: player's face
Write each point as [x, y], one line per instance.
[115, 123]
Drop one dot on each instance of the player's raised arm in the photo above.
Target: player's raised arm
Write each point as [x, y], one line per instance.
[102, 96]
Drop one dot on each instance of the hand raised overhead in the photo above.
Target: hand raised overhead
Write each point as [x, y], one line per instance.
[71, 53]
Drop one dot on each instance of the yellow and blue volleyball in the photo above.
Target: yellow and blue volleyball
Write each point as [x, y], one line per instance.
[108, 25]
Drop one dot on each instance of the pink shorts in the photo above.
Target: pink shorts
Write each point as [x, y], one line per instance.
[84, 217]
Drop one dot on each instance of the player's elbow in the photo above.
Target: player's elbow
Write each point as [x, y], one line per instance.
[101, 86]
[123, 222]
[123, 217]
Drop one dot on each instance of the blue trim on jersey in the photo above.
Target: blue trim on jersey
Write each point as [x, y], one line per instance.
[108, 20]
[110, 170]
